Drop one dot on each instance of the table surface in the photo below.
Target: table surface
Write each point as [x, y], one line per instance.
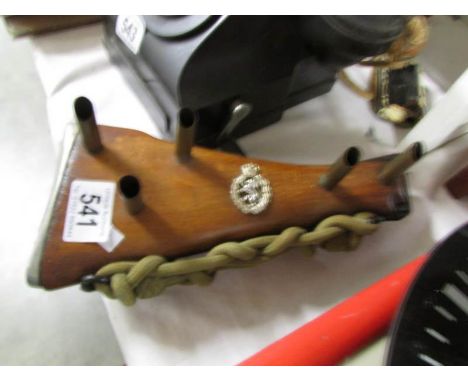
[245, 310]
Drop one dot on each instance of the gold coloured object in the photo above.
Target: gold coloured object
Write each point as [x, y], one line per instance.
[185, 135]
[338, 170]
[398, 165]
[129, 187]
[250, 192]
[84, 113]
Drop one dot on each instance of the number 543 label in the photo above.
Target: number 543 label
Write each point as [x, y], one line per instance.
[89, 211]
[131, 30]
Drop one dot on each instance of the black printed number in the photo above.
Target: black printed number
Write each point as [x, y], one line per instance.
[88, 199]
[129, 29]
[87, 210]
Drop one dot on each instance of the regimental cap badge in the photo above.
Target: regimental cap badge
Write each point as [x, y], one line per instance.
[250, 191]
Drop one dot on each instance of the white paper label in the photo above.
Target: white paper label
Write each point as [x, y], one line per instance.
[115, 237]
[89, 211]
[131, 30]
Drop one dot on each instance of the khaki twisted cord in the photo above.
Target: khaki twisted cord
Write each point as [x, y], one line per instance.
[152, 274]
[413, 39]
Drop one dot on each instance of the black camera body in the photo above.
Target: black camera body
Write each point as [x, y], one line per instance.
[241, 72]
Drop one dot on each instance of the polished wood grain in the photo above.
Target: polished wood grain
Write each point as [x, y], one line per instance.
[187, 205]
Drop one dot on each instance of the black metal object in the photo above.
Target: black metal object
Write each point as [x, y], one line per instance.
[432, 325]
[88, 282]
[271, 63]
[400, 87]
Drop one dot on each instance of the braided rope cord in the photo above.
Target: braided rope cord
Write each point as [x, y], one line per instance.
[405, 48]
[152, 274]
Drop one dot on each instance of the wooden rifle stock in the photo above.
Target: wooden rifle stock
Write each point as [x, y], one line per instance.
[187, 206]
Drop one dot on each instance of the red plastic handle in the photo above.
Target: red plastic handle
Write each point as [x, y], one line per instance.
[338, 333]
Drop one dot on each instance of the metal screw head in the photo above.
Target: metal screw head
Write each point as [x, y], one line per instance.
[88, 282]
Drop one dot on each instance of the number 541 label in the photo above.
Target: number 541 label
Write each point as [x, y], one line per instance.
[89, 211]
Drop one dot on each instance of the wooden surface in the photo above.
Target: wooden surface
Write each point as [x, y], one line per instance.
[458, 184]
[19, 26]
[187, 206]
